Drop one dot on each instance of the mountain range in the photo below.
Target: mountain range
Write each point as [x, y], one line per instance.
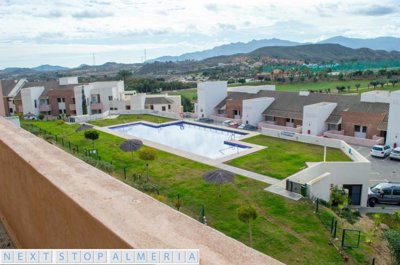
[381, 43]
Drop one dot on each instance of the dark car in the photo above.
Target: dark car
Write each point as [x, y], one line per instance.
[387, 192]
[206, 120]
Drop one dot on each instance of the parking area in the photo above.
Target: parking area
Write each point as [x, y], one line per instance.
[383, 169]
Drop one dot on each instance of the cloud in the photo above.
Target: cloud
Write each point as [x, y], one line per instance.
[223, 26]
[85, 14]
[376, 10]
[212, 7]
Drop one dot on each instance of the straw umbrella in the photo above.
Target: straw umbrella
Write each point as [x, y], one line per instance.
[219, 177]
[131, 146]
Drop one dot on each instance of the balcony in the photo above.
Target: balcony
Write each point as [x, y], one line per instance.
[44, 108]
[354, 140]
[96, 106]
[72, 107]
[271, 125]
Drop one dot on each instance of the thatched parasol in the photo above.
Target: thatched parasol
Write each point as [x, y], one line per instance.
[219, 177]
[131, 146]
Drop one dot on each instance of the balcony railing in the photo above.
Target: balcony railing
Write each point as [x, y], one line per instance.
[44, 107]
[354, 140]
[270, 125]
[96, 106]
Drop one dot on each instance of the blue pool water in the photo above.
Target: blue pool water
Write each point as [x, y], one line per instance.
[200, 140]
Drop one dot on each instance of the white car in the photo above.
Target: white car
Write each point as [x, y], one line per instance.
[381, 150]
[395, 154]
[226, 122]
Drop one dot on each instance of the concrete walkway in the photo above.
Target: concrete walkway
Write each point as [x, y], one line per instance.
[378, 209]
[248, 174]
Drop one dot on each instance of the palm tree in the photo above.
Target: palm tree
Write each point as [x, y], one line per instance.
[246, 214]
[124, 74]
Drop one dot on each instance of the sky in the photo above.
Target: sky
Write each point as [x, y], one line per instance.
[68, 33]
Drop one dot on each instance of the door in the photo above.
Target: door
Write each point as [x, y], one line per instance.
[386, 194]
[360, 131]
[396, 195]
[354, 193]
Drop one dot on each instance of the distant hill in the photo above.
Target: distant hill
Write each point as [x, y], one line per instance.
[307, 53]
[314, 53]
[381, 43]
[49, 68]
[226, 49]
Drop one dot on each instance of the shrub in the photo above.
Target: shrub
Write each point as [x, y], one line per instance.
[41, 116]
[48, 137]
[393, 238]
[60, 122]
[338, 196]
[147, 154]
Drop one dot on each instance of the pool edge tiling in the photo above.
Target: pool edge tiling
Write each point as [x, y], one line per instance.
[185, 154]
[204, 140]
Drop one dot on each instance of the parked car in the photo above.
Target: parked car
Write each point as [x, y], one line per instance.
[248, 127]
[381, 150]
[387, 192]
[206, 120]
[233, 124]
[395, 154]
[226, 122]
[30, 116]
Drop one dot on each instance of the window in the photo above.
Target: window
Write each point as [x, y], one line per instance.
[360, 128]
[60, 111]
[110, 98]
[387, 191]
[49, 113]
[152, 107]
[270, 118]
[73, 101]
[60, 100]
[11, 110]
[163, 108]
[128, 107]
[169, 106]
[290, 120]
[35, 103]
[396, 191]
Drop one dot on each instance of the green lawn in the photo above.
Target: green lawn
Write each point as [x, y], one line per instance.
[297, 86]
[294, 87]
[283, 158]
[285, 229]
[130, 118]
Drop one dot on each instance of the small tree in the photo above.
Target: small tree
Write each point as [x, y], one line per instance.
[92, 135]
[147, 155]
[393, 238]
[246, 214]
[357, 86]
[84, 103]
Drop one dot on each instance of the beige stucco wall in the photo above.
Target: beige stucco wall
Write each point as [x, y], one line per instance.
[50, 199]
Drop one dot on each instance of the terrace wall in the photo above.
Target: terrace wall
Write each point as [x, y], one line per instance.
[50, 199]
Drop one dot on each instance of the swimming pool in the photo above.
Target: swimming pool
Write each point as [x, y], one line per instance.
[201, 140]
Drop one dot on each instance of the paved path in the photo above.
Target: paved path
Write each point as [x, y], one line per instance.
[379, 209]
[248, 174]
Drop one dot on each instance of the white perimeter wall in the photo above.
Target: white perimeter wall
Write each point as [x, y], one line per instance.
[253, 109]
[393, 131]
[376, 96]
[251, 89]
[72, 80]
[315, 116]
[209, 94]
[28, 96]
[356, 172]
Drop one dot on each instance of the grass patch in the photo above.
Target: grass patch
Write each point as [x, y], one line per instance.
[130, 118]
[283, 158]
[286, 230]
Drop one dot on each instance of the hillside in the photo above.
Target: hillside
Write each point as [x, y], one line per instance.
[226, 49]
[381, 43]
[279, 55]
